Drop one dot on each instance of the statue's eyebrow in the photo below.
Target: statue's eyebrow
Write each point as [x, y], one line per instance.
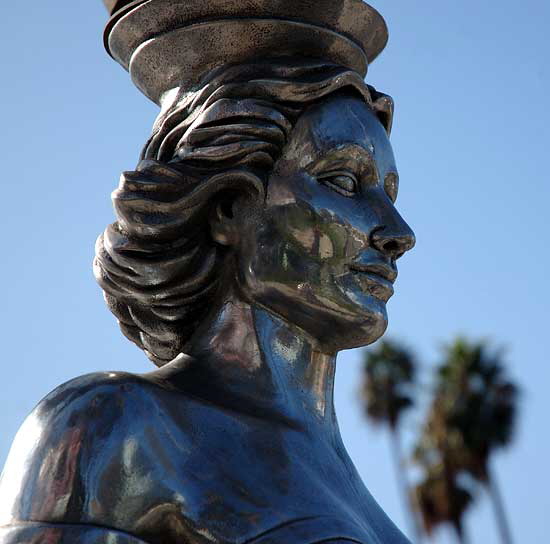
[351, 156]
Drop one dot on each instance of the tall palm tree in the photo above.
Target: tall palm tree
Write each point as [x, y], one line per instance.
[477, 404]
[442, 499]
[389, 376]
[441, 496]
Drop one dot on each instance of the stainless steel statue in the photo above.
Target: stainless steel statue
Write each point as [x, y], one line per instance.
[256, 238]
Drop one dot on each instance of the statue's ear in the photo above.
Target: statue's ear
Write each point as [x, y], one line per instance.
[223, 219]
[230, 213]
[233, 199]
[383, 106]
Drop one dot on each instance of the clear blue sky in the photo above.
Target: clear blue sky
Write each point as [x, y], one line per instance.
[471, 82]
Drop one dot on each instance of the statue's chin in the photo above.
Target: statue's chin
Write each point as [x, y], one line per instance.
[351, 318]
[351, 333]
[361, 334]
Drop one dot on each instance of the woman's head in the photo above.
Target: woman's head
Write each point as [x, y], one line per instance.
[223, 171]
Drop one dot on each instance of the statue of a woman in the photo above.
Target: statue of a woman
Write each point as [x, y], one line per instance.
[256, 238]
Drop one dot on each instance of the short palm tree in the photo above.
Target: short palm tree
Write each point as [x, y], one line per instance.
[477, 404]
[389, 376]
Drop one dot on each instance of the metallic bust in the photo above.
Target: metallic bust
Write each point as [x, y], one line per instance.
[256, 238]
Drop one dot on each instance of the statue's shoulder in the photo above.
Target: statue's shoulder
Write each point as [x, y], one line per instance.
[101, 401]
[93, 403]
[80, 442]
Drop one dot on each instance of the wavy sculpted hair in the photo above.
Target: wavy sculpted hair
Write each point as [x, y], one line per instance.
[157, 264]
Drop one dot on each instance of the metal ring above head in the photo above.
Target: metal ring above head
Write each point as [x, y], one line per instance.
[181, 57]
[169, 43]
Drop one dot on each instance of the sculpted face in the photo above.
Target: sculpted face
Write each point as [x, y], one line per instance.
[322, 252]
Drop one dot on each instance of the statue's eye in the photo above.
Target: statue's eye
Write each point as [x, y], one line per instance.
[342, 183]
[391, 185]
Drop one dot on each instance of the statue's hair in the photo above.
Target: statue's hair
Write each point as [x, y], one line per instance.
[158, 264]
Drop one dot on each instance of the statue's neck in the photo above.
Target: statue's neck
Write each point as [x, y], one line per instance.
[251, 361]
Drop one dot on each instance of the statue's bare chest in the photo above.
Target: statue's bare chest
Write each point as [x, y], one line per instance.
[122, 454]
[197, 473]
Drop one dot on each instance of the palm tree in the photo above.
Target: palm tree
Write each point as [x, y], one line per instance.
[477, 405]
[442, 499]
[389, 376]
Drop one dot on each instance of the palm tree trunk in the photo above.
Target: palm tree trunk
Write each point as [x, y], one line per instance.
[461, 533]
[410, 512]
[498, 504]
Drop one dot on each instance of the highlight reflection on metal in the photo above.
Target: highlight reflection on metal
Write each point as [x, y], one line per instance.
[256, 238]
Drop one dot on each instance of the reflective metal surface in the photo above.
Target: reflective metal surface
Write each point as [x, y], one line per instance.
[116, 5]
[167, 43]
[256, 238]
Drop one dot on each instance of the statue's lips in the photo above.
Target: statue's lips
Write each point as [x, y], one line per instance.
[377, 278]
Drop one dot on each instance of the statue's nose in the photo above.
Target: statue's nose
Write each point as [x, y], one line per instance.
[393, 240]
